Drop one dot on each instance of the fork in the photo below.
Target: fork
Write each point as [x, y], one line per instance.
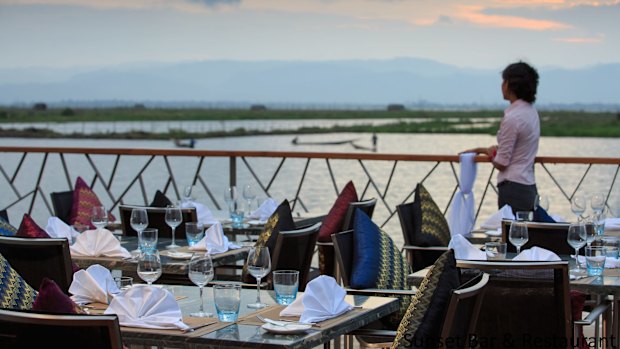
[280, 322]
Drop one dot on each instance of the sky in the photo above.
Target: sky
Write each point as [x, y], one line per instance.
[473, 34]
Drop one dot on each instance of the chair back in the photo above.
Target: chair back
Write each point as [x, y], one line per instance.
[367, 206]
[405, 216]
[294, 250]
[551, 236]
[62, 202]
[463, 310]
[35, 259]
[157, 219]
[24, 329]
[523, 300]
[4, 215]
[343, 248]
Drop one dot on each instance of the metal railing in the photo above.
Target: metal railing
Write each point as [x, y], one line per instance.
[310, 181]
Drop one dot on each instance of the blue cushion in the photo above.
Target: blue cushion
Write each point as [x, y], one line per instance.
[6, 229]
[15, 293]
[366, 252]
[540, 215]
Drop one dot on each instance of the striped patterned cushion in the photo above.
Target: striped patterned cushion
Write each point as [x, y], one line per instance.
[430, 225]
[6, 229]
[84, 199]
[15, 293]
[28, 228]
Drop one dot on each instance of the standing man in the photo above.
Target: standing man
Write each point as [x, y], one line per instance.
[517, 139]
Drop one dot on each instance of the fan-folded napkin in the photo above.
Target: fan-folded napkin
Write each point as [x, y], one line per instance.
[495, 221]
[265, 210]
[323, 299]
[98, 243]
[463, 249]
[610, 262]
[147, 307]
[214, 241]
[537, 254]
[204, 215]
[56, 228]
[92, 285]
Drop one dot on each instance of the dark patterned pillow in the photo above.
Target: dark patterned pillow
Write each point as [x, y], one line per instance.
[429, 224]
[6, 229]
[84, 199]
[332, 223]
[29, 229]
[51, 299]
[280, 220]
[15, 293]
[422, 323]
[160, 200]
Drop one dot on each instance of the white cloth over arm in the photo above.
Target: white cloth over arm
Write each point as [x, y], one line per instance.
[461, 218]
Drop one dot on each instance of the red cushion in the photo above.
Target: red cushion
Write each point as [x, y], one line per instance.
[84, 199]
[51, 299]
[29, 229]
[335, 218]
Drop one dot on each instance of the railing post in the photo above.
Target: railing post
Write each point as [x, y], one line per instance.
[233, 171]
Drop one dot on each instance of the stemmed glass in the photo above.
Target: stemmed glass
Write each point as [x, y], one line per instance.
[230, 196]
[174, 218]
[588, 226]
[201, 272]
[259, 265]
[543, 202]
[576, 237]
[249, 194]
[99, 217]
[597, 202]
[578, 206]
[518, 234]
[187, 193]
[139, 221]
[149, 266]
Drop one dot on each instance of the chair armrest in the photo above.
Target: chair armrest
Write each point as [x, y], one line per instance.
[429, 248]
[383, 291]
[374, 332]
[320, 243]
[594, 314]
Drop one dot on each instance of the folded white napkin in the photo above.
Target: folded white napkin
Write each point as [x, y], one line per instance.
[463, 249]
[214, 240]
[495, 221]
[94, 284]
[147, 307]
[98, 243]
[56, 228]
[205, 216]
[610, 262]
[323, 299]
[612, 224]
[265, 210]
[537, 254]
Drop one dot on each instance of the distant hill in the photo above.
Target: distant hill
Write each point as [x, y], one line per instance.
[408, 81]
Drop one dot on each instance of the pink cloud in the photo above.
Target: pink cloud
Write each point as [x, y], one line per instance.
[474, 14]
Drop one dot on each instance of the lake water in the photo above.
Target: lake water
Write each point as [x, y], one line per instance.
[599, 177]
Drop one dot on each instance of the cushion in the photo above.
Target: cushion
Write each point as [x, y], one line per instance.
[540, 215]
[84, 199]
[421, 325]
[332, 223]
[6, 229]
[160, 200]
[429, 224]
[280, 220]
[15, 293]
[377, 262]
[29, 229]
[51, 299]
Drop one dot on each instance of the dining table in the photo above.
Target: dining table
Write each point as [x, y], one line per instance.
[247, 330]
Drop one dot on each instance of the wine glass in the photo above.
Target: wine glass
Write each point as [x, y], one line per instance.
[149, 266]
[99, 217]
[139, 221]
[518, 234]
[543, 202]
[174, 218]
[588, 226]
[249, 194]
[578, 206]
[187, 193]
[259, 265]
[201, 272]
[230, 196]
[576, 237]
[597, 202]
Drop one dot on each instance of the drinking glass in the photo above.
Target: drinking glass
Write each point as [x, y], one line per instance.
[259, 265]
[194, 232]
[595, 260]
[518, 234]
[249, 194]
[149, 266]
[230, 196]
[174, 218]
[543, 202]
[590, 231]
[599, 223]
[285, 283]
[527, 216]
[597, 202]
[187, 193]
[227, 299]
[201, 272]
[578, 206]
[148, 240]
[139, 221]
[99, 217]
[576, 237]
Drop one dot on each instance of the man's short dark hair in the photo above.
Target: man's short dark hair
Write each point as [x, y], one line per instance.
[522, 80]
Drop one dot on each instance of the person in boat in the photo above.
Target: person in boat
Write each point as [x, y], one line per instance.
[517, 139]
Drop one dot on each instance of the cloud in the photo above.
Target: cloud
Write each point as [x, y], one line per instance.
[478, 15]
[582, 40]
[215, 3]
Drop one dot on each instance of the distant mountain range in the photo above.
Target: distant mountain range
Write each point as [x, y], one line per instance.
[360, 83]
